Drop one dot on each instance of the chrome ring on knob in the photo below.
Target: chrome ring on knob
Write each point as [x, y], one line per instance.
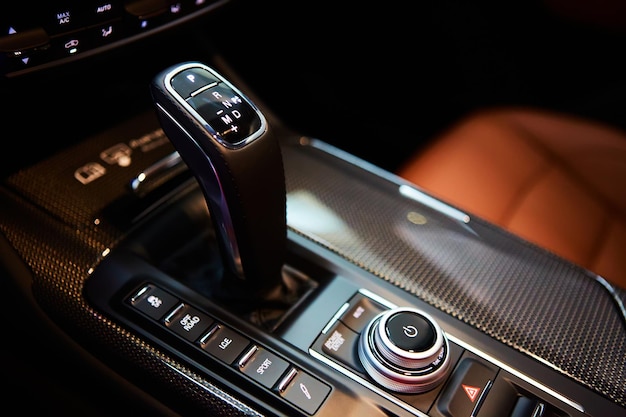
[399, 369]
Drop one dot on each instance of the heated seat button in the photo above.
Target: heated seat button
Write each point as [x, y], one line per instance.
[187, 322]
[153, 301]
[466, 389]
[302, 390]
[223, 343]
[262, 366]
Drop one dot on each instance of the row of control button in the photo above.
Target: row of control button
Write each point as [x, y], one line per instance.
[462, 395]
[29, 38]
[230, 347]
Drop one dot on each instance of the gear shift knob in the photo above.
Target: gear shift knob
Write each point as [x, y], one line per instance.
[226, 142]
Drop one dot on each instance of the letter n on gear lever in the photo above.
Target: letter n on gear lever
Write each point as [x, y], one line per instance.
[227, 144]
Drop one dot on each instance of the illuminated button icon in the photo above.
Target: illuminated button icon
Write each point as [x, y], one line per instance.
[263, 366]
[303, 391]
[187, 322]
[153, 301]
[224, 343]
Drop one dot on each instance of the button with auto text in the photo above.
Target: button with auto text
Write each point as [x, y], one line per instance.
[153, 301]
[187, 322]
[361, 311]
[303, 391]
[223, 343]
[340, 343]
[262, 366]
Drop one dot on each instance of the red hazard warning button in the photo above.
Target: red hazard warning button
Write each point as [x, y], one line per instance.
[464, 392]
[472, 392]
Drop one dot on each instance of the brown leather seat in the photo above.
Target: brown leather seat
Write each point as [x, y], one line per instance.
[553, 179]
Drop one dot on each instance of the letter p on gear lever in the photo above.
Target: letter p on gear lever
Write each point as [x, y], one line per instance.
[226, 142]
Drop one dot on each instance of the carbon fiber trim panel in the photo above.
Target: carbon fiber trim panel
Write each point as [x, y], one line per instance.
[510, 289]
[59, 229]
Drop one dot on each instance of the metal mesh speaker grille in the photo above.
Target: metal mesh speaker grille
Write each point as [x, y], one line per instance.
[507, 288]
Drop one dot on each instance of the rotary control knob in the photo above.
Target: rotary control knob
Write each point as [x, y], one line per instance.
[405, 350]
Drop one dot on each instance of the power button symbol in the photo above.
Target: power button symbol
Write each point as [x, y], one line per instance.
[410, 331]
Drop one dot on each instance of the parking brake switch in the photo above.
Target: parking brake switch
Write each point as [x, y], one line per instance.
[227, 144]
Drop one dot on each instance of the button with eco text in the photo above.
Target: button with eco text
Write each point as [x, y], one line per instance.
[361, 311]
[340, 343]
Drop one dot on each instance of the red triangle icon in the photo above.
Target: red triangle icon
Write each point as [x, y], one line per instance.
[472, 392]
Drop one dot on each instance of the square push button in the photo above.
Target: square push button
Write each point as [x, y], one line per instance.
[361, 311]
[192, 79]
[188, 322]
[224, 343]
[303, 391]
[340, 343]
[262, 366]
[153, 301]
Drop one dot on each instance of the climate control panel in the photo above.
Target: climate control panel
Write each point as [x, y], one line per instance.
[38, 34]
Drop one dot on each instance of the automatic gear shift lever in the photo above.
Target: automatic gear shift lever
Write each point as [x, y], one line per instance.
[226, 142]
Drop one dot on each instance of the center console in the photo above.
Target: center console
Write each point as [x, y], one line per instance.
[373, 335]
[388, 302]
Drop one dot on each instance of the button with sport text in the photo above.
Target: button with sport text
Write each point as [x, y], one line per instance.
[410, 331]
[223, 343]
[303, 391]
[153, 301]
[262, 366]
[470, 382]
[187, 322]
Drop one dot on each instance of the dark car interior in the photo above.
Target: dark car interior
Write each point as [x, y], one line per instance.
[247, 208]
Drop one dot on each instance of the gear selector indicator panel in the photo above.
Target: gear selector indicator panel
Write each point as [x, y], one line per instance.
[227, 114]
